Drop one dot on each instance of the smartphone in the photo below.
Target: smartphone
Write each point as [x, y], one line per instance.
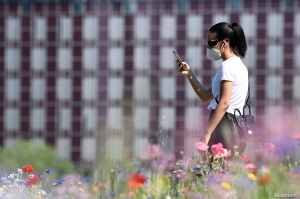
[177, 57]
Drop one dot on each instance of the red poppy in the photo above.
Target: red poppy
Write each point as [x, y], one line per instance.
[246, 159]
[135, 181]
[27, 169]
[32, 180]
[264, 179]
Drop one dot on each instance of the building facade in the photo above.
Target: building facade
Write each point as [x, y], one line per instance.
[95, 78]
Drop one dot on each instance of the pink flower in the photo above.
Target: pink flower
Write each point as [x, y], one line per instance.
[296, 136]
[245, 158]
[251, 167]
[227, 153]
[270, 146]
[201, 146]
[217, 149]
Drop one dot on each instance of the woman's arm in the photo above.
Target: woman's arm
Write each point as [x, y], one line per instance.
[204, 94]
[225, 95]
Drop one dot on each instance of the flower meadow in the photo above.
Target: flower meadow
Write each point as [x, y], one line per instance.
[214, 173]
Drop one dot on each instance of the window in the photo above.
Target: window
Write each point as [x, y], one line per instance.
[89, 119]
[38, 58]
[64, 119]
[167, 88]
[141, 57]
[13, 29]
[296, 84]
[38, 89]
[167, 58]
[65, 28]
[63, 148]
[142, 27]
[296, 56]
[193, 117]
[249, 22]
[115, 88]
[12, 58]
[168, 28]
[12, 119]
[296, 25]
[275, 25]
[141, 88]
[141, 118]
[194, 55]
[116, 28]
[88, 149]
[116, 58]
[64, 88]
[12, 88]
[40, 28]
[90, 28]
[89, 91]
[194, 27]
[114, 148]
[274, 87]
[37, 119]
[115, 118]
[90, 58]
[167, 115]
[64, 59]
[235, 4]
[275, 56]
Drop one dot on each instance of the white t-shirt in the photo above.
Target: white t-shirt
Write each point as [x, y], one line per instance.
[235, 71]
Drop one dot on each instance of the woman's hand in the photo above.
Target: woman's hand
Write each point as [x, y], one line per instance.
[183, 68]
[205, 138]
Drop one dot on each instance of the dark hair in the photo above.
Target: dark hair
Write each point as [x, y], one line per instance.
[234, 33]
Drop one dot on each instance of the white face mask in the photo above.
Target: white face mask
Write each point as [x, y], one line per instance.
[214, 54]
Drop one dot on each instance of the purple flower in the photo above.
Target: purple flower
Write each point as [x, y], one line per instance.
[297, 169]
[4, 179]
[21, 181]
[48, 171]
[39, 175]
[87, 179]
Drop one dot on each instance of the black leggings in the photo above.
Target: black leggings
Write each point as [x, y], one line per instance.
[223, 134]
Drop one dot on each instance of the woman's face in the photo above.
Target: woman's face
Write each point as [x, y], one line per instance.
[213, 41]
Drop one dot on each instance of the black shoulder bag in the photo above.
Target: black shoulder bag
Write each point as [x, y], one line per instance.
[243, 126]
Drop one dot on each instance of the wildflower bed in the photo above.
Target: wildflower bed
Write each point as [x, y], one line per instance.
[155, 175]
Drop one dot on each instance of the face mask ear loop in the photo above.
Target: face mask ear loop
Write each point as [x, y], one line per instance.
[222, 47]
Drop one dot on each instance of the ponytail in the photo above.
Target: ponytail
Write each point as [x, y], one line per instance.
[239, 39]
[234, 33]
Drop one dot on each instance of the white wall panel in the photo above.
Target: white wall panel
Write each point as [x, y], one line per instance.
[12, 58]
[116, 28]
[142, 27]
[275, 25]
[115, 87]
[168, 27]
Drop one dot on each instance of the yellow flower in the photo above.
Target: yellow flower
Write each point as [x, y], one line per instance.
[252, 176]
[225, 185]
[39, 196]
[81, 190]
[281, 167]
[1, 189]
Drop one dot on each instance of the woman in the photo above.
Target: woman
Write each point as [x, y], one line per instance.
[230, 85]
